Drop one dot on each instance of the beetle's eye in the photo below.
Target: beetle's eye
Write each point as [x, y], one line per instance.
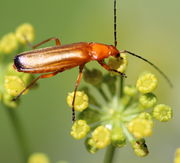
[118, 55]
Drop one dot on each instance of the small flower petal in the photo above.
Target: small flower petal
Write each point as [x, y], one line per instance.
[81, 100]
[38, 158]
[24, 33]
[146, 83]
[162, 112]
[101, 136]
[80, 129]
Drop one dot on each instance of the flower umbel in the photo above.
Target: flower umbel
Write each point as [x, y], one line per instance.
[114, 120]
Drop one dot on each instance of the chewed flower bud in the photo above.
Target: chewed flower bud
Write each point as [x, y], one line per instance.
[101, 136]
[119, 64]
[148, 100]
[177, 156]
[130, 90]
[140, 127]
[81, 100]
[80, 129]
[13, 85]
[38, 158]
[140, 148]
[162, 112]
[8, 43]
[93, 76]
[24, 33]
[146, 83]
[118, 139]
[90, 145]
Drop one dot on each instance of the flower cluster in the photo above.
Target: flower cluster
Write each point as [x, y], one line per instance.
[11, 81]
[115, 118]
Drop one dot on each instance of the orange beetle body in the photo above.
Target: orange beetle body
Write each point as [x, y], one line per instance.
[60, 58]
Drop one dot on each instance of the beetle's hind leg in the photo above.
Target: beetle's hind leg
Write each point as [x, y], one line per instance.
[34, 81]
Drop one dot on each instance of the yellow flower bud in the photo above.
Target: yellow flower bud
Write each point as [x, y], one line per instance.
[90, 145]
[147, 100]
[80, 129]
[119, 64]
[13, 85]
[8, 43]
[102, 137]
[140, 148]
[130, 90]
[25, 32]
[38, 158]
[7, 100]
[162, 112]
[140, 127]
[81, 100]
[146, 83]
[177, 156]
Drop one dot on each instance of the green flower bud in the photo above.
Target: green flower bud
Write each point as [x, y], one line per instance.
[130, 90]
[24, 33]
[140, 127]
[80, 129]
[177, 156]
[90, 145]
[119, 64]
[140, 148]
[90, 116]
[146, 83]
[81, 100]
[162, 112]
[102, 137]
[8, 43]
[118, 139]
[93, 76]
[7, 100]
[13, 85]
[38, 158]
[148, 100]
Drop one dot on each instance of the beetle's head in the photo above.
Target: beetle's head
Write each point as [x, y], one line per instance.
[102, 51]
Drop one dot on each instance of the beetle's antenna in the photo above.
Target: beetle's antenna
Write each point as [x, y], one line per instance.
[115, 25]
[153, 65]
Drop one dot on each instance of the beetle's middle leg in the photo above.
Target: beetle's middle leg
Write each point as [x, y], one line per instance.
[75, 90]
[34, 81]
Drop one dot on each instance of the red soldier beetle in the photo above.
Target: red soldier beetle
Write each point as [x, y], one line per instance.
[59, 58]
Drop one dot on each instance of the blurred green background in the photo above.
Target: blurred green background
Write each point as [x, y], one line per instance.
[150, 28]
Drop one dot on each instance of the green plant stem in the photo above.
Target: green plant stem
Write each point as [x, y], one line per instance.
[121, 87]
[109, 155]
[19, 133]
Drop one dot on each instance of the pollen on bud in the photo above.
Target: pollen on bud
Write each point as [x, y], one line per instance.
[102, 137]
[162, 112]
[140, 127]
[130, 90]
[80, 129]
[148, 100]
[93, 76]
[8, 43]
[81, 100]
[38, 158]
[13, 85]
[118, 139]
[24, 33]
[146, 83]
[177, 156]
[140, 148]
[119, 64]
